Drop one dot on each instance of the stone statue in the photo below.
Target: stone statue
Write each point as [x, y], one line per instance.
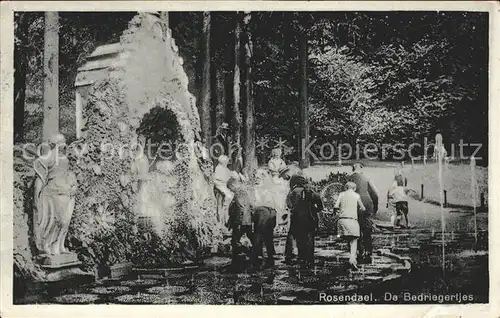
[140, 177]
[140, 166]
[54, 202]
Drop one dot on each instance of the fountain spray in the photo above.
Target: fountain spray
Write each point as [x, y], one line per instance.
[439, 146]
[473, 185]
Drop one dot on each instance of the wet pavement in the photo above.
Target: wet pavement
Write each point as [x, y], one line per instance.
[403, 255]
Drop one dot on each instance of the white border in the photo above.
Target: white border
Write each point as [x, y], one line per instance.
[6, 162]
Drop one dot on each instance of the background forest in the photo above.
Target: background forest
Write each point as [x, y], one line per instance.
[383, 77]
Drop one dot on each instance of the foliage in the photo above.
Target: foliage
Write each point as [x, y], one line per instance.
[342, 94]
[160, 126]
[150, 251]
[79, 35]
[372, 76]
[395, 98]
[335, 183]
[408, 88]
[338, 177]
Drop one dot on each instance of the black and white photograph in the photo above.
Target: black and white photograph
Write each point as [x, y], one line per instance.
[250, 157]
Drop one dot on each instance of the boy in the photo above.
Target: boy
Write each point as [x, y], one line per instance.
[348, 226]
[264, 221]
[242, 216]
[398, 202]
[304, 204]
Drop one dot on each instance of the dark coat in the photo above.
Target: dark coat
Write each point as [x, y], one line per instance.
[304, 204]
[240, 209]
[264, 218]
[367, 192]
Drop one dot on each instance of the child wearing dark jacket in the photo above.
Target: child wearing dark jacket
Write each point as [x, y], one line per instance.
[304, 204]
[240, 218]
[257, 223]
[264, 221]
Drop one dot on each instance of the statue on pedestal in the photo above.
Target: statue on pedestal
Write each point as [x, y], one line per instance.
[54, 202]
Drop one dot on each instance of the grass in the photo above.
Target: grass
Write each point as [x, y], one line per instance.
[456, 180]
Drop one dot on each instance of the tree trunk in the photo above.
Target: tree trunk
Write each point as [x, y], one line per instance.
[51, 73]
[286, 36]
[220, 108]
[249, 159]
[235, 152]
[205, 92]
[304, 107]
[20, 66]
[236, 84]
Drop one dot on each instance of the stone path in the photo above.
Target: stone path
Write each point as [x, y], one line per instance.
[403, 257]
[212, 283]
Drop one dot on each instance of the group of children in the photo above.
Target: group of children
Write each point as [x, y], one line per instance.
[252, 226]
[255, 224]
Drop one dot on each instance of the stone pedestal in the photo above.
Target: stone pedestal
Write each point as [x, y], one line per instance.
[62, 266]
[58, 261]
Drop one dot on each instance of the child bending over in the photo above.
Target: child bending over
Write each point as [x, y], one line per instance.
[244, 216]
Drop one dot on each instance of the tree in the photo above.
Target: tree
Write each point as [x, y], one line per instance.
[237, 121]
[220, 106]
[222, 51]
[304, 107]
[20, 69]
[250, 160]
[51, 72]
[205, 92]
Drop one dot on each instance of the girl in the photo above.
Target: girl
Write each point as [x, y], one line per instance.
[348, 226]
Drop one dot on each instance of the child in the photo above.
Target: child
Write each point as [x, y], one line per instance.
[399, 176]
[304, 204]
[264, 221]
[397, 200]
[243, 216]
[276, 164]
[348, 226]
[240, 217]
